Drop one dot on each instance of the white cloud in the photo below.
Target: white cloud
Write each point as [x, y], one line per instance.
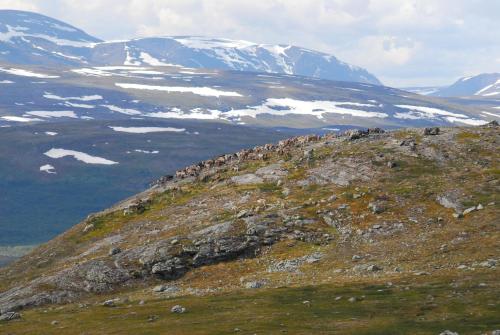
[18, 4]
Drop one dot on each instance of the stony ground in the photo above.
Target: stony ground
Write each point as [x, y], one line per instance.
[370, 232]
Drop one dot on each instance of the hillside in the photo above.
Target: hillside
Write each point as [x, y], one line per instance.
[33, 39]
[312, 234]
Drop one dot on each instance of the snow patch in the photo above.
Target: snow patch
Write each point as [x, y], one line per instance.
[197, 114]
[317, 108]
[421, 112]
[26, 73]
[203, 91]
[48, 168]
[145, 130]
[51, 114]
[82, 98]
[126, 111]
[80, 156]
[147, 151]
[19, 119]
[148, 59]
[471, 122]
[491, 114]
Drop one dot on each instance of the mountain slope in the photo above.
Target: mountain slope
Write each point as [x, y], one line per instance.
[36, 94]
[33, 39]
[486, 85]
[330, 220]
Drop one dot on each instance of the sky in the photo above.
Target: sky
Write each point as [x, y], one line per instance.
[402, 42]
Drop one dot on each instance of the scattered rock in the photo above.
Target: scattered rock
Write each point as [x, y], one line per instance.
[448, 332]
[137, 207]
[352, 299]
[114, 251]
[490, 263]
[241, 214]
[469, 210]
[247, 179]
[451, 199]
[178, 309]
[332, 198]
[255, 284]
[410, 143]
[54, 323]
[88, 228]
[355, 134]
[109, 303]
[272, 172]
[373, 268]
[492, 124]
[376, 207]
[9, 316]
[391, 164]
[309, 154]
[159, 288]
[431, 131]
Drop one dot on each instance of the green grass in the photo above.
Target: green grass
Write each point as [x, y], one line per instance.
[465, 135]
[425, 309]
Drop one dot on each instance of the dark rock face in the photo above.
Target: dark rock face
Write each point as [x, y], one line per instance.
[163, 259]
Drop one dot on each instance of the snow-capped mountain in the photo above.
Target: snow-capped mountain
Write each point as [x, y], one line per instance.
[485, 85]
[200, 52]
[33, 39]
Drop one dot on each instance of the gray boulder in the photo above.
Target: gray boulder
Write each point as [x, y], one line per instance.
[255, 284]
[431, 131]
[178, 309]
[451, 199]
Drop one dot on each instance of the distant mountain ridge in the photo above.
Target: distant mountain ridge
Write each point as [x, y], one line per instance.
[33, 39]
[486, 85]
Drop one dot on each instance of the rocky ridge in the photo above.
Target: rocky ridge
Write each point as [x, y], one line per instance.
[356, 206]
